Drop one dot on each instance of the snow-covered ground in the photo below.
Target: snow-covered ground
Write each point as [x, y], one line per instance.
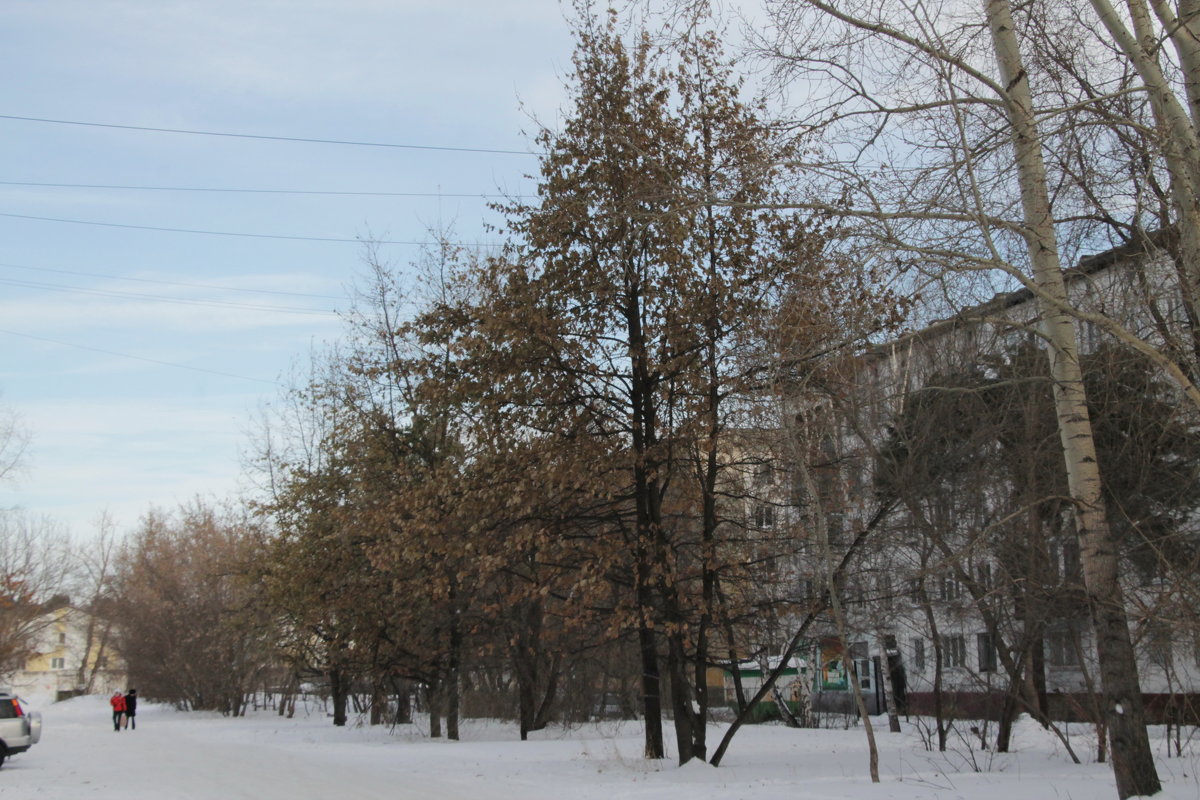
[177, 756]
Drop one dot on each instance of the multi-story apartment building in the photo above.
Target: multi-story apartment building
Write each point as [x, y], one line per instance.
[968, 588]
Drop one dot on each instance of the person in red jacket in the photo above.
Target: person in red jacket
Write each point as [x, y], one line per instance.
[117, 701]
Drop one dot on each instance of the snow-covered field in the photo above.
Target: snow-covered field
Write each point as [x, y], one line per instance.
[176, 756]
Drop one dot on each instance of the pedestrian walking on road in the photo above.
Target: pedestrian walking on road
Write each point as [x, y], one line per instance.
[131, 709]
[117, 701]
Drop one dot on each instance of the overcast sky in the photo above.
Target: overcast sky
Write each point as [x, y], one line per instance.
[136, 356]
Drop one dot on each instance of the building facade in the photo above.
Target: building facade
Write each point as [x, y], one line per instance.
[73, 653]
[966, 594]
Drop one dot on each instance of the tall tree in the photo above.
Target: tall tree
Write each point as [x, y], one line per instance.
[96, 562]
[632, 297]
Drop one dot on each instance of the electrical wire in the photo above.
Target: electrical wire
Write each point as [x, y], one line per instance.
[172, 283]
[54, 287]
[268, 138]
[137, 358]
[233, 233]
[449, 195]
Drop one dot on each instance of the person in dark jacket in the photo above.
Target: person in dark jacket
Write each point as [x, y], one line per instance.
[131, 709]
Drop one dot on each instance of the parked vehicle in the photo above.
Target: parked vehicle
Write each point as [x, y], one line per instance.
[19, 729]
[610, 705]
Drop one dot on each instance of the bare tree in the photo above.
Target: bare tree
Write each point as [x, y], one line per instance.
[14, 439]
[93, 589]
[35, 570]
[192, 630]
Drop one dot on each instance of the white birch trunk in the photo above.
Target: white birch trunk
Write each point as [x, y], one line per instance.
[1133, 762]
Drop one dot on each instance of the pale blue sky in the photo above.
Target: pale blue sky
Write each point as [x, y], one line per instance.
[89, 311]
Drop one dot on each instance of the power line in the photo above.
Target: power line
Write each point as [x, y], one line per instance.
[482, 195]
[268, 138]
[231, 233]
[136, 358]
[161, 299]
[172, 283]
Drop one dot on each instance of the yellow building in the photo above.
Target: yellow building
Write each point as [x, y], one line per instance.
[73, 653]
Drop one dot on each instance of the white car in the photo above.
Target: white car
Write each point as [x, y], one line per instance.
[19, 729]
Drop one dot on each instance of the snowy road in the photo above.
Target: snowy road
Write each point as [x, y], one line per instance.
[202, 757]
[175, 756]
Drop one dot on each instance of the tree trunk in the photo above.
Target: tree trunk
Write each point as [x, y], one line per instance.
[452, 685]
[885, 679]
[935, 636]
[101, 657]
[739, 689]
[831, 574]
[1133, 762]
[685, 722]
[403, 703]
[339, 692]
[700, 725]
[681, 705]
[1178, 139]
[651, 692]
[1184, 33]
[536, 688]
[434, 694]
[378, 703]
[525, 663]
[1037, 675]
[525, 706]
[546, 708]
[644, 426]
[81, 679]
[1008, 714]
[708, 579]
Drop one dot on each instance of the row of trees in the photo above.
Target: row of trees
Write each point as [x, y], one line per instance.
[554, 456]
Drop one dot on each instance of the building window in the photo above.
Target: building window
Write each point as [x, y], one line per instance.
[1060, 649]
[883, 585]
[58, 663]
[983, 576]
[763, 475]
[914, 590]
[62, 638]
[764, 517]
[862, 664]
[1089, 337]
[986, 647]
[954, 652]
[1159, 643]
[836, 524]
[951, 590]
[1072, 567]
[918, 651]
[1065, 554]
